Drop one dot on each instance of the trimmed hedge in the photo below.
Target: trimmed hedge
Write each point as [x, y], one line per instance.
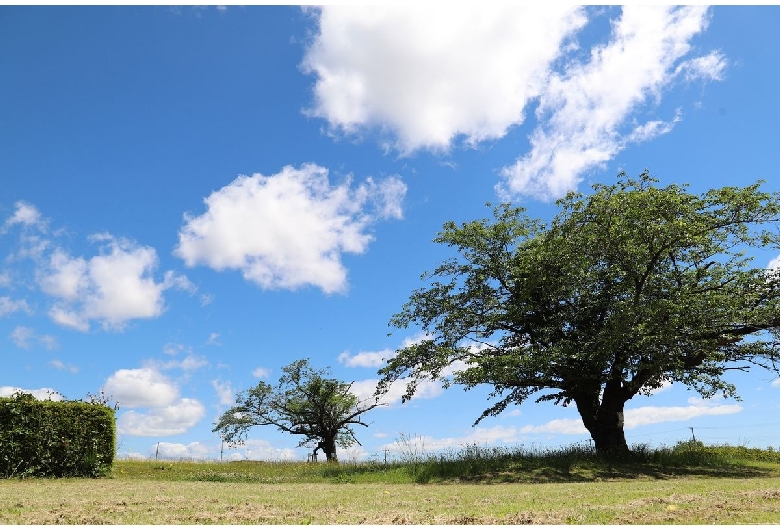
[55, 438]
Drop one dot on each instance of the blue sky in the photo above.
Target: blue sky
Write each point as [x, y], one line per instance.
[193, 198]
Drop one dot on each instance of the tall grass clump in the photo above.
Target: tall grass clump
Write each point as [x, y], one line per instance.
[477, 464]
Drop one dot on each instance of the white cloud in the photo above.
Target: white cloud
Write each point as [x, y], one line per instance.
[59, 365]
[366, 359]
[169, 420]
[189, 364]
[193, 450]
[776, 382]
[5, 279]
[426, 77]
[430, 74]
[586, 112]
[774, 264]
[425, 390]
[48, 341]
[173, 348]
[561, 426]
[263, 450]
[23, 336]
[141, 387]
[8, 305]
[130, 456]
[25, 214]
[666, 385]
[288, 230]
[212, 340]
[206, 299]
[649, 415]
[639, 416]
[261, 373]
[39, 393]
[709, 66]
[113, 287]
[420, 445]
[224, 391]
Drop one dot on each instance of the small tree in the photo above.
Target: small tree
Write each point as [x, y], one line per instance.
[625, 290]
[305, 403]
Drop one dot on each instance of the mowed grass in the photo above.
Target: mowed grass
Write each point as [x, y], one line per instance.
[688, 484]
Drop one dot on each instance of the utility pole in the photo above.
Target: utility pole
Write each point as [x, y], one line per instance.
[692, 434]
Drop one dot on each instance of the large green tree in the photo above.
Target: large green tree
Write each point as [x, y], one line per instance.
[626, 289]
[305, 402]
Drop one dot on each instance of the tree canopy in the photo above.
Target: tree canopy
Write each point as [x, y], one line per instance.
[305, 402]
[625, 290]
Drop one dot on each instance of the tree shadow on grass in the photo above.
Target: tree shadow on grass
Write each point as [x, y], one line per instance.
[586, 472]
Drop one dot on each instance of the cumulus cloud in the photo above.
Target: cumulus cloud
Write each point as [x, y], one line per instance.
[166, 413]
[429, 74]
[169, 420]
[44, 393]
[141, 387]
[174, 451]
[114, 287]
[290, 229]
[426, 77]
[773, 265]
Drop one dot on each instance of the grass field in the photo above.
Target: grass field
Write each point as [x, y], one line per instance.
[688, 484]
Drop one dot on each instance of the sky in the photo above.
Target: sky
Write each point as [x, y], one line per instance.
[192, 198]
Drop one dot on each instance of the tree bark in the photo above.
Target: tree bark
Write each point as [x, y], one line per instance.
[329, 446]
[604, 420]
[608, 431]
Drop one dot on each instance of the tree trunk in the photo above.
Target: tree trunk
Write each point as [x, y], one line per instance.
[329, 446]
[607, 431]
[605, 420]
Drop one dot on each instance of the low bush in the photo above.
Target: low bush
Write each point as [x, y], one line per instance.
[55, 438]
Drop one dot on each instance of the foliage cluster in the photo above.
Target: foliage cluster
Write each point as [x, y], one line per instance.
[45, 438]
[625, 290]
[305, 402]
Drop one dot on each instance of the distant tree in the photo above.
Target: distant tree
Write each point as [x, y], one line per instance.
[306, 403]
[627, 289]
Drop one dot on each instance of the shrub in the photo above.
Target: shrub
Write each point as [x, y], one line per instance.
[55, 438]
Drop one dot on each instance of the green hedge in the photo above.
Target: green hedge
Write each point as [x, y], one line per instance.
[55, 438]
